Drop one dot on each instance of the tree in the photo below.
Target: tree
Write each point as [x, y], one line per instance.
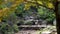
[57, 11]
[5, 11]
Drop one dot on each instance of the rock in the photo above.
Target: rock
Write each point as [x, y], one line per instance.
[46, 32]
[54, 22]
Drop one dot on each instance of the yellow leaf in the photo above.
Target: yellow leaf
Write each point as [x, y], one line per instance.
[40, 2]
[27, 6]
[0, 19]
[32, 4]
[50, 5]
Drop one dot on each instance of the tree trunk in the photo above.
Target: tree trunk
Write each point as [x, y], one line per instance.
[57, 17]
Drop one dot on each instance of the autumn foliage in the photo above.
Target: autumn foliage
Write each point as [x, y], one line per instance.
[5, 11]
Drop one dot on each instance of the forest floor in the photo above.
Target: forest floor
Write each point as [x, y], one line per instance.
[46, 30]
[29, 32]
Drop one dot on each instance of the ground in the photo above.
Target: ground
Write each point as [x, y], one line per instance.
[29, 32]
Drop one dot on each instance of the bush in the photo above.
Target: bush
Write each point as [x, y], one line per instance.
[46, 14]
[8, 25]
[5, 28]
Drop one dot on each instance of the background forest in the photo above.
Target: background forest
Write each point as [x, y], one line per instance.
[22, 12]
